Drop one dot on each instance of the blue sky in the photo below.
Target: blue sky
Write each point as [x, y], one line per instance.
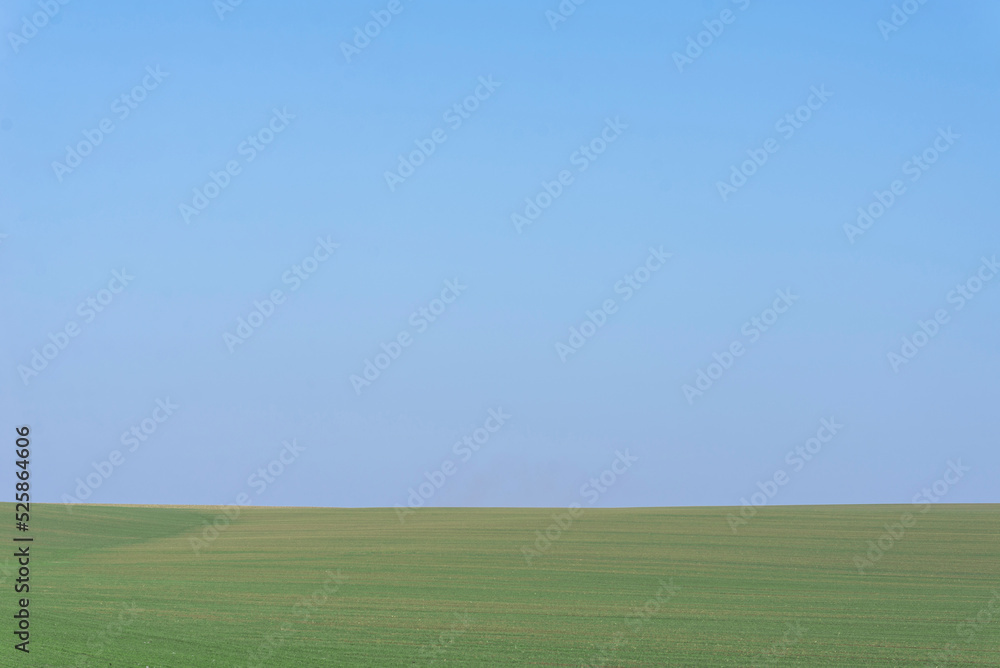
[327, 129]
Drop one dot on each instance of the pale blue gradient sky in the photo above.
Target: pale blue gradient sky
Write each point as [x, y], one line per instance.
[495, 346]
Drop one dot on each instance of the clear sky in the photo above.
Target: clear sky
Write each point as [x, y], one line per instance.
[212, 157]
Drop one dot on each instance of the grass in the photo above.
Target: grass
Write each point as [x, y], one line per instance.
[122, 586]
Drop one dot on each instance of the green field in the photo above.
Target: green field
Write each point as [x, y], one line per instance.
[123, 586]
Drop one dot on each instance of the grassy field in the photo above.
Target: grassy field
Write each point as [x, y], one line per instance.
[124, 586]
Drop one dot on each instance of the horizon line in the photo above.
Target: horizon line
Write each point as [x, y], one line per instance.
[392, 508]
